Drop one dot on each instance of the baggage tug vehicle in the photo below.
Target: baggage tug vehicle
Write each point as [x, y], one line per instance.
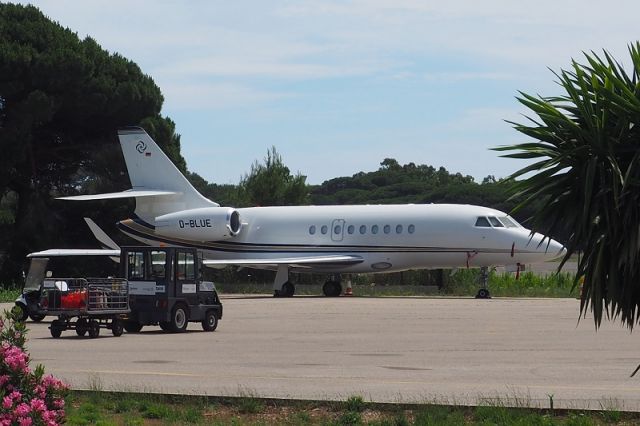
[158, 286]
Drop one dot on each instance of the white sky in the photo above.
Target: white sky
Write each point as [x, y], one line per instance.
[337, 86]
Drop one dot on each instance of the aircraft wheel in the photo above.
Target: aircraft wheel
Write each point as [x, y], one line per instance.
[288, 290]
[210, 322]
[165, 325]
[56, 328]
[483, 293]
[19, 312]
[179, 318]
[332, 289]
[82, 327]
[36, 317]
[132, 326]
[94, 329]
[117, 327]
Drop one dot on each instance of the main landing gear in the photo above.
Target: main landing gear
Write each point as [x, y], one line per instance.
[483, 291]
[283, 287]
[333, 287]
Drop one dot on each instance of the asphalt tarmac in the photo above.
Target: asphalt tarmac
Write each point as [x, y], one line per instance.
[454, 351]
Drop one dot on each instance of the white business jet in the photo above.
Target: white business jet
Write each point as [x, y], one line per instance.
[321, 239]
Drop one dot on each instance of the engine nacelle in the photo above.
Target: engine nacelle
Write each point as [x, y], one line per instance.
[204, 224]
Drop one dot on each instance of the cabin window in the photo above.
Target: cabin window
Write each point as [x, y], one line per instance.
[374, 229]
[312, 229]
[387, 229]
[337, 229]
[411, 229]
[363, 229]
[398, 229]
[324, 229]
[351, 229]
[158, 264]
[483, 222]
[495, 222]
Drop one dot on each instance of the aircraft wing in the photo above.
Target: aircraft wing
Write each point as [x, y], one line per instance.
[124, 194]
[293, 261]
[74, 252]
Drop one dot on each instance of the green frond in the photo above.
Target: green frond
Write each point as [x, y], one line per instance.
[585, 180]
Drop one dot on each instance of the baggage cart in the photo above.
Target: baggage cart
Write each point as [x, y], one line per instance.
[85, 304]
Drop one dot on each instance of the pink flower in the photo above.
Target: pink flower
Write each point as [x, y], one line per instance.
[3, 379]
[41, 391]
[15, 395]
[25, 421]
[51, 416]
[58, 403]
[51, 382]
[16, 359]
[38, 405]
[7, 402]
[22, 410]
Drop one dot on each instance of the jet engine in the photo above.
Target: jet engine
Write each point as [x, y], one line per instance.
[203, 224]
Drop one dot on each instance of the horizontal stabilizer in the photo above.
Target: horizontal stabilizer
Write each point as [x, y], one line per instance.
[74, 252]
[101, 236]
[131, 193]
[309, 260]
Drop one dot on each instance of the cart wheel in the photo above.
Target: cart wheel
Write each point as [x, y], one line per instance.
[210, 321]
[19, 312]
[94, 329]
[82, 327]
[117, 328]
[36, 317]
[56, 328]
[165, 325]
[132, 326]
[179, 318]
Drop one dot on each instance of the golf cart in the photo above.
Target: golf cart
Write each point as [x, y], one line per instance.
[27, 305]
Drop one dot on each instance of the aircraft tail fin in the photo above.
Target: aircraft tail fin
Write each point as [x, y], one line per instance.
[151, 170]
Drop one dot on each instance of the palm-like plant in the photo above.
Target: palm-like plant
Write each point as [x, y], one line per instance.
[586, 178]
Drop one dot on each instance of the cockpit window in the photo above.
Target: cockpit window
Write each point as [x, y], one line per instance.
[495, 222]
[509, 222]
[482, 221]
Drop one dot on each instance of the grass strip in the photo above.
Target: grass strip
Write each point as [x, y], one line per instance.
[107, 408]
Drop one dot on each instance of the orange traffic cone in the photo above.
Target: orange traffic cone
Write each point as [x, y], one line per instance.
[349, 290]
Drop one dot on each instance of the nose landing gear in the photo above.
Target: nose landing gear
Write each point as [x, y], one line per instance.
[483, 279]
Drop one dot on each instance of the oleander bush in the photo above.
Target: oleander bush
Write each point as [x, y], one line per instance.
[28, 397]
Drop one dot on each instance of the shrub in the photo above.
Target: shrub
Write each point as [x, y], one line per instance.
[27, 397]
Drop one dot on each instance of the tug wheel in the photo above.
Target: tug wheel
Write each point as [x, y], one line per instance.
[179, 318]
[210, 321]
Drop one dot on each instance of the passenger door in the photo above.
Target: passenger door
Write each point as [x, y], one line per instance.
[186, 274]
[337, 229]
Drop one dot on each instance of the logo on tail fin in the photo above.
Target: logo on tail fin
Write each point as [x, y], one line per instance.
[141, 147]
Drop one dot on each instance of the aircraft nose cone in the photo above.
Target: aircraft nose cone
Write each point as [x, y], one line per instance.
[549, 248]
[556, 249]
